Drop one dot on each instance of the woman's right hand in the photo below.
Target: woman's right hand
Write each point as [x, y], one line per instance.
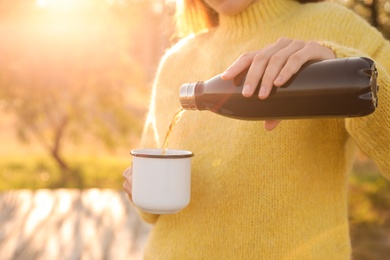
[127, 175]
[274, 65]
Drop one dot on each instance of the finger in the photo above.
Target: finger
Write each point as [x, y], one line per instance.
[292, 66]
[311, 51]
[255, 73]
[270, 125]
[259, 65]
[128, 190]
[127, 172]
[242, 63]
[275, 65]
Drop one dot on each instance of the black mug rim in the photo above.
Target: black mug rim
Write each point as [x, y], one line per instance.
[140, 153]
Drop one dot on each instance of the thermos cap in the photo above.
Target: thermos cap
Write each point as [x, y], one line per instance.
[187, 96]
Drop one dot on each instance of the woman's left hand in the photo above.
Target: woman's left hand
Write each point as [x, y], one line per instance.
[275, 65]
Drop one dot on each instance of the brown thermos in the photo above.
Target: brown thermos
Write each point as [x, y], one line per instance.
[343, 87]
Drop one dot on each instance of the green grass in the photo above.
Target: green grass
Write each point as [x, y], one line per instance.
[39, 172]
[369, 199]
[369, 212]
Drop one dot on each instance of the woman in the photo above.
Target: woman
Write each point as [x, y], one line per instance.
[259, 194]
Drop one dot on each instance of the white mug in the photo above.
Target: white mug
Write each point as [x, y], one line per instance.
[161, 183]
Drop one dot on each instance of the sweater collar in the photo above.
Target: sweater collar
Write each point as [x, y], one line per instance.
[256, 16]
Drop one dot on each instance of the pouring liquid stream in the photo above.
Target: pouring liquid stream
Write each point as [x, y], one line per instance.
[175, 120]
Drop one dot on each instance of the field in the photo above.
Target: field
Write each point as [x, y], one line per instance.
[27, 166]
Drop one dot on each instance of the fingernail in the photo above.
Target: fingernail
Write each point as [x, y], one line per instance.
[225, 73]
[246, 91]
[278, 80]
[263, 91]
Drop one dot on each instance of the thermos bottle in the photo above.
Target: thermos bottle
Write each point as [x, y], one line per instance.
[344, 87]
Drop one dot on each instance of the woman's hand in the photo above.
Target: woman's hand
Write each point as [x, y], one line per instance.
[127, 175]
[275, 65]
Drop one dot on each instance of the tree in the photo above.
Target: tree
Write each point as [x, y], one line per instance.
[68, 75]
[377, 12]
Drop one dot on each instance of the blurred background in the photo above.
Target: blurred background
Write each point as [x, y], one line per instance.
[75, 78]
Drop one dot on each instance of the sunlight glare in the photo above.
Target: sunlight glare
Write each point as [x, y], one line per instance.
[42, 3]
[62, 5]
[43, 205]
[387, 7]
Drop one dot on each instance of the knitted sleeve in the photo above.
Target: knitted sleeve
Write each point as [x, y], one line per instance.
[372, 133]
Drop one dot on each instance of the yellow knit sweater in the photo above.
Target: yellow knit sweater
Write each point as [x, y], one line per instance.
[258, 194]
